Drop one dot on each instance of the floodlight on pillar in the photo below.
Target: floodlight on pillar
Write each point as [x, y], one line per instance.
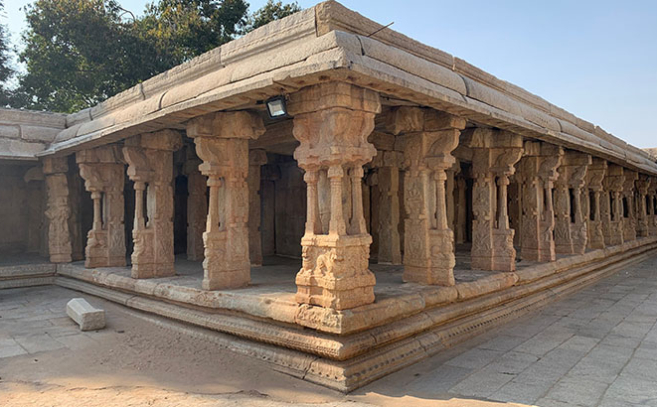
[276, 108]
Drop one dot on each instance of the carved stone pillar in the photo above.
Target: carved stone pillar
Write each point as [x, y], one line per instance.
[150, 166]
[428, 137]
[387, 165]
[539, 172]
[642, 186]
[197, 206]
[652, 207]
[570, 232]
[257, 158]
[494, 154]
[594, 179]
[460, 232]
[58, 209]
[612, 206]
[332, 122]
[222, 142]
[629, 223]
[103, 172]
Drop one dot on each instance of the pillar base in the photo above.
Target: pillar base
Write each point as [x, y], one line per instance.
[335, 272]
[220, 271]
[440, 267]
[61, 258]
[502, 256]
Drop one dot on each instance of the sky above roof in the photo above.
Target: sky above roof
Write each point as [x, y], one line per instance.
[594, 58]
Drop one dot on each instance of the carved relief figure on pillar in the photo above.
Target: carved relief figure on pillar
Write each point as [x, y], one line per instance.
[332, 122]
[222, 142]
[428, 137]
[150, 166]
[495, 152]
[103, 171]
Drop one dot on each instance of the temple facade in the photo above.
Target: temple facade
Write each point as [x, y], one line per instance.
[405, 199]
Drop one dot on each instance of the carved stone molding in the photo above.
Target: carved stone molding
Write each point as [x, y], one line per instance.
[332, 122]
[150, 166]
[58, 209]
[222, 142]
[103, 171]
[428, 138]
[495, 152]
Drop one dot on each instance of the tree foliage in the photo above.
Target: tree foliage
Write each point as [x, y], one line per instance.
[80, 52]
[273, 10]
[5, 70]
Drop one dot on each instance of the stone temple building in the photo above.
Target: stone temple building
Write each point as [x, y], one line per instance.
[336, 199]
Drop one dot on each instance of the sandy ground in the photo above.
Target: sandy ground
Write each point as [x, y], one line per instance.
[136, 362]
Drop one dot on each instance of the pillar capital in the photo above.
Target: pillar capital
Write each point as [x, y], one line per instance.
[230, 125]
[54, 165]
[332, 121]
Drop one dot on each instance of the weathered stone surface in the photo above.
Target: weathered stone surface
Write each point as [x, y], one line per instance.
[332, 122]
[150, 166]
[88, 317]
[222, 143]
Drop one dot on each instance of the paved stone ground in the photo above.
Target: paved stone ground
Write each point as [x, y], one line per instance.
[595, 348]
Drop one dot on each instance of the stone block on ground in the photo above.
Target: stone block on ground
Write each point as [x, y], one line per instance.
[88, 317]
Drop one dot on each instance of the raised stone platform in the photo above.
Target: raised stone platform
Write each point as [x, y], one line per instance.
[348, 349]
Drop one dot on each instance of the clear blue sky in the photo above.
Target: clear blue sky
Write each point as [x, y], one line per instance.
[594, 58]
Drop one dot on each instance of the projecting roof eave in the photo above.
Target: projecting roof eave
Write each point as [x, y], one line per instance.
[325, 42]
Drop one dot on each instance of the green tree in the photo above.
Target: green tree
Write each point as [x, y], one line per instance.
[273, 10]
[80, 52]
[5, 70]
[182, 29]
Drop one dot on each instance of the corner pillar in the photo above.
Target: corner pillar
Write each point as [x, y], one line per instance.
[103, 172]
[332, 122]
[222, 142]
[150, 166]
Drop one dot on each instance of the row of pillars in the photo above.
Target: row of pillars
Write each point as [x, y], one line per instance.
[332, 122]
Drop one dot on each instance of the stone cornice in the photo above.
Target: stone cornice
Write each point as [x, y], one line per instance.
[330, 41]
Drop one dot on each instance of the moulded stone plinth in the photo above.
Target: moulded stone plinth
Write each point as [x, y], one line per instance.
[335, 272]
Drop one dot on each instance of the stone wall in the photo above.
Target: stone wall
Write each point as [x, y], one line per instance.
[21, 206]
